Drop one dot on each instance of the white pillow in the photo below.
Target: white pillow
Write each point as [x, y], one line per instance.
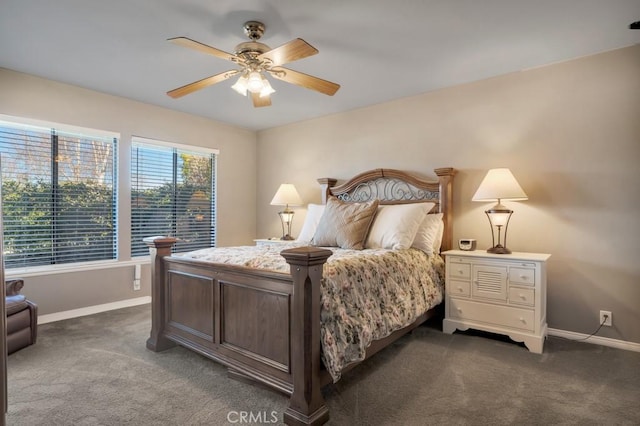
[437, 243]
[314, 213]
[395, 226]
[429, 235]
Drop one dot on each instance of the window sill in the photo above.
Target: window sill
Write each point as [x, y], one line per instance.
[36, 271]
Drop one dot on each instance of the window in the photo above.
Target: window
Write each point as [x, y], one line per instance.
[172, 194]
[58, 194]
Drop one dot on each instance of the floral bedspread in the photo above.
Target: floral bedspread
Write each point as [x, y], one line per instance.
[366, 294]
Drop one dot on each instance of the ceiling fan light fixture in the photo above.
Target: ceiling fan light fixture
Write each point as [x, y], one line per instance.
[266, 88]
[241, 85]
[254, 60]
[254, 82]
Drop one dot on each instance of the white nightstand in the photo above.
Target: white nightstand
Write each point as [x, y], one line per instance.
[264, 241]
[500, 293]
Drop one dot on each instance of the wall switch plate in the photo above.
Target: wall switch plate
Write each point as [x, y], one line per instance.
[136, 277]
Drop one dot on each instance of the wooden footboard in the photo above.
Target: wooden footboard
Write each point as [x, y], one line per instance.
[262, 325]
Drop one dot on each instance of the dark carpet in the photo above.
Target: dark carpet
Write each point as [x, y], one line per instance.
[95, 370]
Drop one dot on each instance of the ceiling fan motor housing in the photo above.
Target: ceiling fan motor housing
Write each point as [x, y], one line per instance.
[254, 29]
[251, 48]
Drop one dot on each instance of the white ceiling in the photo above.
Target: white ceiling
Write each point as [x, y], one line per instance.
[377, 50]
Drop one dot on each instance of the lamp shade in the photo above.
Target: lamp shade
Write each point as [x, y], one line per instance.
[241, 85]
[287, 195]
[254, 82]
[499, 184]
[266, 88]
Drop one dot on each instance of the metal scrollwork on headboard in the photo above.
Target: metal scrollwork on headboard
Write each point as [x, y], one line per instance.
[392, 186]
[388, 189]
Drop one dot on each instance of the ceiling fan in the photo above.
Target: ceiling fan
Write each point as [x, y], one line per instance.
[255, 60]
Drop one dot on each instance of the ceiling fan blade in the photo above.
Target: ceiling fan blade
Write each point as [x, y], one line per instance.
[196, 45]
[289, 52]
[201, 84]
[305, 80]
[259, 101]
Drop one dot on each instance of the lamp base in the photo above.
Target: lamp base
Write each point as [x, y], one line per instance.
[287, 238]
[499, 250]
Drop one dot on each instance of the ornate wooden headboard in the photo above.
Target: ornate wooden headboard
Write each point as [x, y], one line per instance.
[392, 186]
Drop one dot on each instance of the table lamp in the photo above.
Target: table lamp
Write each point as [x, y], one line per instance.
[498, 185]
[286, 196]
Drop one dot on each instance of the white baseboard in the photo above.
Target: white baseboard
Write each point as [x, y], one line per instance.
[604, 341]
[89, 310]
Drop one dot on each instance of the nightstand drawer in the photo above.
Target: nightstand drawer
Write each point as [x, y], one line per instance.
[522, 276]
[459, 288]
[522, 296]
[459, 271]
[492, 314]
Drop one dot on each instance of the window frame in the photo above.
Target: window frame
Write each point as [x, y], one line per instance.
[154, 144]
[122, 189]
[56, 130]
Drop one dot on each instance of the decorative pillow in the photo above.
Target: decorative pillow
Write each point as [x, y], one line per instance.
[395, 226]
[344, 225]
[429, 235]
[314, 213]
[437, 243]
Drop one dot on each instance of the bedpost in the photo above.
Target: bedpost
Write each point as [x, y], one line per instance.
[325, 185]
[159, 247]
[306, 406]
[445, 178]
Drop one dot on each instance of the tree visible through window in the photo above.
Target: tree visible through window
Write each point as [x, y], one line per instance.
[58, 197]
[172, 194]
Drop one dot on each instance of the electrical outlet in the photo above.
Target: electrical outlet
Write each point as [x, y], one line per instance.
[136, 285]
[608, 321]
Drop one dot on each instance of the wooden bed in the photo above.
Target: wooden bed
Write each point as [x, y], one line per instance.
[265, 326]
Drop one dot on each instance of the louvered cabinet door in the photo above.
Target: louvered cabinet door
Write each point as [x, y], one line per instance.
[489, 282]
[504, 294]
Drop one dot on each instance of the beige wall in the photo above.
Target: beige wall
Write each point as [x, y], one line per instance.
[31, 97]
[570, 133]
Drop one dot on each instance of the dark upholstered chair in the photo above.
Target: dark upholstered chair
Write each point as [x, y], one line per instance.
[22, 318]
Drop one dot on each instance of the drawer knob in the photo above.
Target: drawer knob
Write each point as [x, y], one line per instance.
[523, 277]
[460, 289]
[460, 271]
[459, 309]
[522, 296]
[522, 320]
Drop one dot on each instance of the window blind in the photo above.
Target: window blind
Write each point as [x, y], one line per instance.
[59, 197]
[172, 194]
